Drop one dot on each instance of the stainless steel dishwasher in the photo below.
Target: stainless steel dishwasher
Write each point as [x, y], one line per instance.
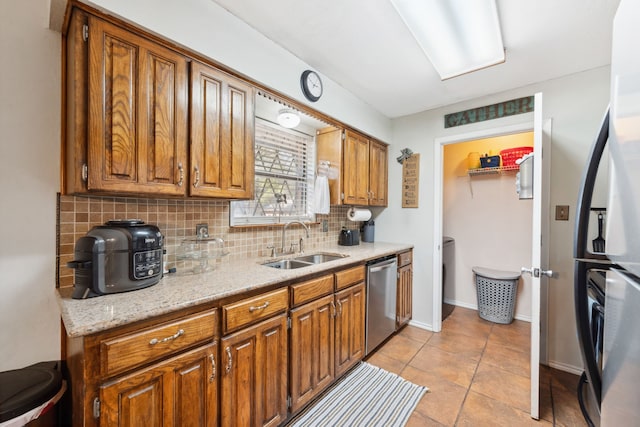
[381, 300]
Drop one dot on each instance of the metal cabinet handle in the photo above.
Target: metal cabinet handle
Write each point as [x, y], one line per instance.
[181, 176]
[333, 306]
[155, 341]
[340, 307]
[229, 360]
[213, 368]
[260, 307]
[196, 180]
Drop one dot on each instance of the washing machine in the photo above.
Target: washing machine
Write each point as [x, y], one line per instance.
[448, 271]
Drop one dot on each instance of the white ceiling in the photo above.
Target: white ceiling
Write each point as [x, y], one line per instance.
[364, 46]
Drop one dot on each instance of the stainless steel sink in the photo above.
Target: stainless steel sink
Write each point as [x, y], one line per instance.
[287, 264]
[319, 258]
[304, 261]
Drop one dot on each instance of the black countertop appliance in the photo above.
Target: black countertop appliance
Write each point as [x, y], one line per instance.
[348, 237]
[120, 256]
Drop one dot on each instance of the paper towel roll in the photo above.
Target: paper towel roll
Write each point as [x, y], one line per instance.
[357, 214]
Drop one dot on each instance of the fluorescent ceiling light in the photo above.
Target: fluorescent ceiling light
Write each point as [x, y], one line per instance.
[288, 118]
[458, 36]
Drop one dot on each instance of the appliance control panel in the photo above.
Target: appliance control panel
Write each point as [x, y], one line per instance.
[147, 264]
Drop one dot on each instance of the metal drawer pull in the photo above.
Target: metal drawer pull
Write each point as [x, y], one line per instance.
[197, 177]
[260, 307]
[213, 368]
[229, 359]
[181, 176]
[171, 338]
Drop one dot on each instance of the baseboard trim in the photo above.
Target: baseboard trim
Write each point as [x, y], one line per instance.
[566, 368]
[421, 325]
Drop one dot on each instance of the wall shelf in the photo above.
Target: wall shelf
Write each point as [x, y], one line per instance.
[508, 170]
[492, 171]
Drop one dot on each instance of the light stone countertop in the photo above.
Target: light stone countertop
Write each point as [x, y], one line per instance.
[175, 292]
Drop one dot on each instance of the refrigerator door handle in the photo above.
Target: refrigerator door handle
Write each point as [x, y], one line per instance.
[581, 231]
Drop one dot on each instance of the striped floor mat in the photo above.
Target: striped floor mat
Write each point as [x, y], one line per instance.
[367, 396]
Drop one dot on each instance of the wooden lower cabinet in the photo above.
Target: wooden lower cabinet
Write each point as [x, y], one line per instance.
[253, 390]
[181, 391]
[350, 325]
[404, 296]
[312, 350]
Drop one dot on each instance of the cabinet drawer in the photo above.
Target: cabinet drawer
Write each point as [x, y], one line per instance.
[350, 277]
[405, 258]
[250, 310]
[130, 350]
[311, 289]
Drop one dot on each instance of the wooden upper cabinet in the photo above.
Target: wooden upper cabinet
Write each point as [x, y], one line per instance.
[222, 133]
[137, 113]
[355, 169]
[378, 182]
[363, 165]
[129, 112]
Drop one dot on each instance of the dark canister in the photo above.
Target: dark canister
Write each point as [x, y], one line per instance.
[368, 231]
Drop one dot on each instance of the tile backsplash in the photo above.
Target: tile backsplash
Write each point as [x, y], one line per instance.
[177, 219]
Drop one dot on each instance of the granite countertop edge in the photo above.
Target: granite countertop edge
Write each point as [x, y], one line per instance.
[175, 292]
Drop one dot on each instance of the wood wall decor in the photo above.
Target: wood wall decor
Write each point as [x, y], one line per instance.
[410, 181]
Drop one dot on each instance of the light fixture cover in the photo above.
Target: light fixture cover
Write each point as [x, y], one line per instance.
[458, 36]
[288, 118]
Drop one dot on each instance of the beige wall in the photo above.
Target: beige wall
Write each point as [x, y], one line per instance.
[490, 224]
[576, 103]
[29, 179]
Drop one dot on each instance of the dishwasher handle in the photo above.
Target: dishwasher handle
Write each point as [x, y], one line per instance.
[374, 268]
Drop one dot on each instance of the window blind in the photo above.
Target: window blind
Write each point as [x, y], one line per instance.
[284, 161]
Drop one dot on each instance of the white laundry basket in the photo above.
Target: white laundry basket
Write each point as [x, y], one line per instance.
[496, 294]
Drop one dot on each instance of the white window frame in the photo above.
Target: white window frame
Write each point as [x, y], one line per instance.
[284, 164]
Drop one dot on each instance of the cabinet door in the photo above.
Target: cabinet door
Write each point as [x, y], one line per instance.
[355, 173]
[404, 296]
[181, 391]
[350, 324]
[137, 118]
[254, 377]
[378, 174]
[312, 350]
[222, 128]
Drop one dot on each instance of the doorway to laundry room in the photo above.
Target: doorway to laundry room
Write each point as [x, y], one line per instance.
[486, 223]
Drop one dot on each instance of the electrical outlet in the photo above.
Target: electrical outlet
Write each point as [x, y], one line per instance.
[562, 213]
[202, 230]
[325, 225]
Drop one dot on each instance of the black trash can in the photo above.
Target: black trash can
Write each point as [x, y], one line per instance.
[30, 394]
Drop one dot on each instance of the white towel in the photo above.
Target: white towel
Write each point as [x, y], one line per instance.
[321, 195]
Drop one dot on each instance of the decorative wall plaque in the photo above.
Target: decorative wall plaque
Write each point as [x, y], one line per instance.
[410, 181]
[489, 112]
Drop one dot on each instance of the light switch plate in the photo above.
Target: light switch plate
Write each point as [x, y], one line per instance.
[325, 225]
[562, 212]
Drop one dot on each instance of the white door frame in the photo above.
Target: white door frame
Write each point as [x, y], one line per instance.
[437, 202]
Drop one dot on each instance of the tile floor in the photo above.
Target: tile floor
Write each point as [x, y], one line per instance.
[478, 375]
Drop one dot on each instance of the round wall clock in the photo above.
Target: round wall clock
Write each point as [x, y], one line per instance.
[311, 85]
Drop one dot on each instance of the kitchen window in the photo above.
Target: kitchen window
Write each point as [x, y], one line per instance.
[284, 160]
